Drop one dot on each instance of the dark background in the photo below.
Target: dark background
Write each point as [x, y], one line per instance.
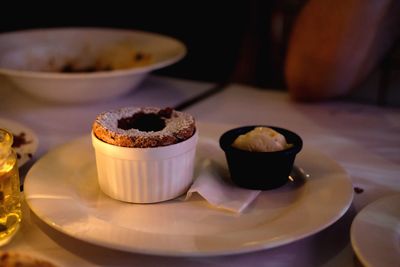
[237, 41]
[226, 40]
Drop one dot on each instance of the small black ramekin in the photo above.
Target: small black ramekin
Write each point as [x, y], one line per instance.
[260, 170]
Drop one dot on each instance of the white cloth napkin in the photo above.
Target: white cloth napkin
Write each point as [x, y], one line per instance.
[220, 192]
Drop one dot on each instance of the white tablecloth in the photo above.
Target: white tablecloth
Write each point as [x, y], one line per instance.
[364, 139]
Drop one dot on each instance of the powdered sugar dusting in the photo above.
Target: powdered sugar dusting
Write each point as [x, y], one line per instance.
[178, 121]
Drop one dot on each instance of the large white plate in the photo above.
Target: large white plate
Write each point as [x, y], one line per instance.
[375, 233]
[28, 141]
[61, 189]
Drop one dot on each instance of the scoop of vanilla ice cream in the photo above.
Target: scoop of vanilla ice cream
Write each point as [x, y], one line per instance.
[261, 139]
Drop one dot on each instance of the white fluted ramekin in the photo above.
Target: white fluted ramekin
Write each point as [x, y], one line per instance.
[145, 175]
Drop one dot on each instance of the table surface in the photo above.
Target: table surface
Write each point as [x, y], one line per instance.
[363, 139]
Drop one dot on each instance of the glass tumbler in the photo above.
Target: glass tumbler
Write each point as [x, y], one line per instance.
[10, 201]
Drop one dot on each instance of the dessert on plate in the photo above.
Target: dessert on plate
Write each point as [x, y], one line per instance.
[261, 139]
[260, 157]
[144, 127]
[144, 155]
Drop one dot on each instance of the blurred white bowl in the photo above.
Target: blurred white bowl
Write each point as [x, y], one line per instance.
[83, 64]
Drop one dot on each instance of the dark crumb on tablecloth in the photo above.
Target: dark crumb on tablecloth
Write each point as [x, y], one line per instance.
[358, 190]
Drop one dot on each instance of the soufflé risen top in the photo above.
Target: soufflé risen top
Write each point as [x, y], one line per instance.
[143, 127]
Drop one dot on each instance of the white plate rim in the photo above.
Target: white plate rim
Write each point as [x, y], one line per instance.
[372, 254]
[343, 204]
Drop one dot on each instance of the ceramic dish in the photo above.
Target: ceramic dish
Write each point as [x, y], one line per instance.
[74, 204]
[375, 233]
[76, 65]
